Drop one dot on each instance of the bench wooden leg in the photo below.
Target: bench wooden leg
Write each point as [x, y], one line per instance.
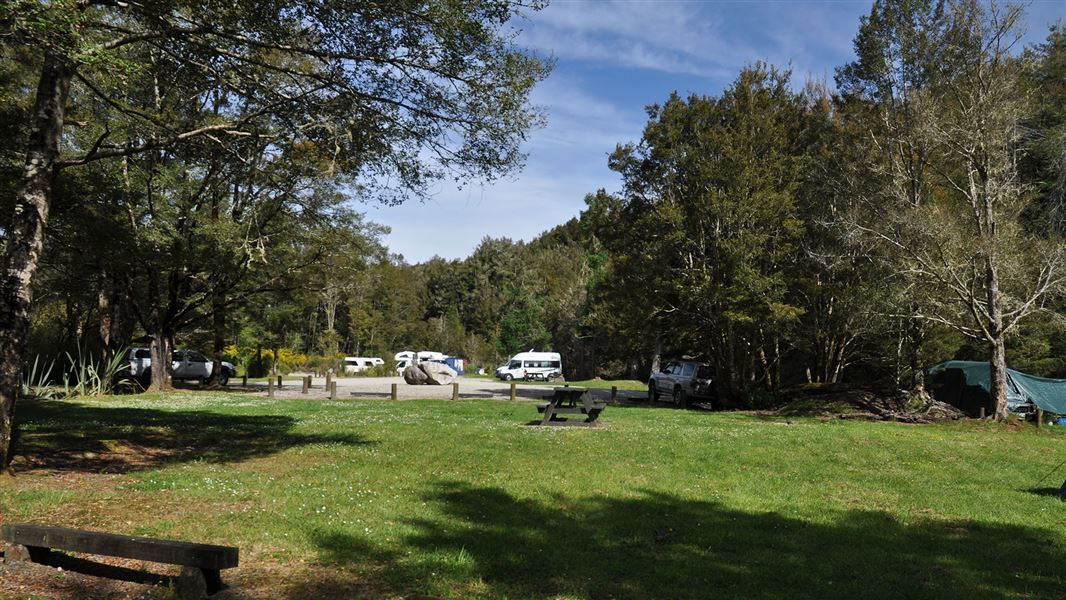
[20, 553]
[213, 579]
[196, 584]
[191, 584]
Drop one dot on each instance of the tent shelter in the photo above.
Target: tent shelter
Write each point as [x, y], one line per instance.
[966, 384]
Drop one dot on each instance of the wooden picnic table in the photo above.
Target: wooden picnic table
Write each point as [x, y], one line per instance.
[570, 401]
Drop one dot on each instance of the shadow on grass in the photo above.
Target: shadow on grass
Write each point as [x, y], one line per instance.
[488, 543]
[1053, 492]
[63, 436]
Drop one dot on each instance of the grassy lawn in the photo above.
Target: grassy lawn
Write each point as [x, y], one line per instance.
[460, 499]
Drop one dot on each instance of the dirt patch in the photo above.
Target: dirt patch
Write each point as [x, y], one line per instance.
[258, 579]
[25, 580]
[874, 403]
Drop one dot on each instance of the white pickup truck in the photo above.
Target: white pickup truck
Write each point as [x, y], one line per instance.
[185, 365]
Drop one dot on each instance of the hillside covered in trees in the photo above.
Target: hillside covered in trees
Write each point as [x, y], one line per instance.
[785, 231]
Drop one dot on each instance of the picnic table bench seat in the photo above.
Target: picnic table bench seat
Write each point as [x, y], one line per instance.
[570, 401]
[202, 562]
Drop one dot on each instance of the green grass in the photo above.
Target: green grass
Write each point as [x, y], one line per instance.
[461, 499]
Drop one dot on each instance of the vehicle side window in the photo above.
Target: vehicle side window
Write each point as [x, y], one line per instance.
[142, 353]
[555, 364]
[670, 368]
[687, 370]
[197, 357]
[176, 356]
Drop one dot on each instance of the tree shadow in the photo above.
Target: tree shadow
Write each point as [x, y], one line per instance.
[489, 543]
[61, 436]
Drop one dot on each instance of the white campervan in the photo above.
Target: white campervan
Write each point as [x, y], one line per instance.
[405, 358]
[354, 364]
[531, 365]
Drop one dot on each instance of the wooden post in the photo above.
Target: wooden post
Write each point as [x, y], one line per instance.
[279, 382]
[305, 384]
[333, 390]
[329, 379]
[455, 391]
[244, 380]
[270, 388]
[614, 393]
[982, 412]
[513, 386]
[1039, 417]
[394, 391]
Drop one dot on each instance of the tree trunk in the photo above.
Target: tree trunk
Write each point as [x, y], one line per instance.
[997, 373]
[161, 351]
[218, 331]
[916, 337]
[657, 353]
[25, 236]
[997, 363]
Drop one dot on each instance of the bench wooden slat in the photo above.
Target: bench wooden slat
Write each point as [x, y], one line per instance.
[203, 556]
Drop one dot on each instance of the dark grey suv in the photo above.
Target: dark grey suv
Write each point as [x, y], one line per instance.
[684, 382]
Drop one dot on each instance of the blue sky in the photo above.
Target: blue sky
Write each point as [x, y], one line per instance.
[613, 59]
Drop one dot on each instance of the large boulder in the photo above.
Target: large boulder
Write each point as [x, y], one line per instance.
[414, 375]
[438, 374]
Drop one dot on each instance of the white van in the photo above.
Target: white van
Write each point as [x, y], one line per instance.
[531, 365]
[354, 364]
[405, 358]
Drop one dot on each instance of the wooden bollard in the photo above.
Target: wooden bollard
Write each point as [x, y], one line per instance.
[982, 412]
[333, 390]
[614, 393]
[455, 391]
[270, 388]
[329, 380]
[1039, 417]
[244, 380]
[279, 382]
[305, 384]
[394, 391]
[513, 386]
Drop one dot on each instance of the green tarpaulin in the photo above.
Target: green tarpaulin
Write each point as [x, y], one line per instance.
[966, 384]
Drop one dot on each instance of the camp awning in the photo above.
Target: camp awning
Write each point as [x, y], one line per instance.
[1022, 388]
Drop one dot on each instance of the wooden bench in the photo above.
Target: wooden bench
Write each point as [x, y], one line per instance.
[202, 562]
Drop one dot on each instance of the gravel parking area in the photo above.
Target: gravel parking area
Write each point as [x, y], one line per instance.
[381, 387]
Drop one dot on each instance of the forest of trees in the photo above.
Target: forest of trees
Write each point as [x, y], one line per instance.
[785, 231]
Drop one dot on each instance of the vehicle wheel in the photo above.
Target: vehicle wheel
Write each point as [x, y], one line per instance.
[508, 377]
[223, 379]
[653, 394]
[680, 399]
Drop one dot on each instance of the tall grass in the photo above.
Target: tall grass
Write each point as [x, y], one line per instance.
[36, 381]
[88, 376]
